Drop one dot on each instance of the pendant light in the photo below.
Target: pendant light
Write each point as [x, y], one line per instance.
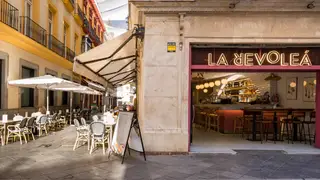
[217, 83]
[205, 90]
[224, 81]
[211, 84]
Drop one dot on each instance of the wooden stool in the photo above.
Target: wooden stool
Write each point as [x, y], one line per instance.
[237, 125]
[216, 123]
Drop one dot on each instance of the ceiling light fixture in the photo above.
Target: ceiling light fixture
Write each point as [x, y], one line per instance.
[311, 5]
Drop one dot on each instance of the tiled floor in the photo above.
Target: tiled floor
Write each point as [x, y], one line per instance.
[213, 142]
[51, 157]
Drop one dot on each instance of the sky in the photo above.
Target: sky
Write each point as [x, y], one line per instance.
[114, 11]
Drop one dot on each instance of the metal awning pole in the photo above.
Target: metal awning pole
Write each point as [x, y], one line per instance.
[47, 99]
[71, 107]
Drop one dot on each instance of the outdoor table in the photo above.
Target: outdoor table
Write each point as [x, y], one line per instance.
[5, 125]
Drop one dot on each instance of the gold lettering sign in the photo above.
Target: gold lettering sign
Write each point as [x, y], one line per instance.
[271, 58]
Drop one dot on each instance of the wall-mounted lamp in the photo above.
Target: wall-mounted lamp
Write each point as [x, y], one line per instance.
[233, 5]
[180, 46]
[311, 5]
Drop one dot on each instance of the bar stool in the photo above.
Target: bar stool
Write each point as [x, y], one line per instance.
[238, 125]
[215, 119]
[292, 123]
[266, 125]
[247, 121]
[203, 114]
[309, 124]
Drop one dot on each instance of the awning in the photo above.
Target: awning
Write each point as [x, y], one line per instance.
[112, 62]
[95, 86]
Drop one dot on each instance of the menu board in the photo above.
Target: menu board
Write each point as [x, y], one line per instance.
[121, 132]
[135, 140]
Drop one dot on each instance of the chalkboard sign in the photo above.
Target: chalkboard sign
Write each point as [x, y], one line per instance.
[121, 132]
[127, 135]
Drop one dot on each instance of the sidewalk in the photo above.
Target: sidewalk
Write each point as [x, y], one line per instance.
[52, 157]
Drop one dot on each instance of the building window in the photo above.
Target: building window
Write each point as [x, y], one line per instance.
[85, 7]
[28, 8]
[75, 43]
[50, 28]
[90, 16]
[86, 44]
[65, 34]
[65, 28]
[27, 94]
[28, 15]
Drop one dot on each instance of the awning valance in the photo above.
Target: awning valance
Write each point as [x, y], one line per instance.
[112, 62]
[95, 86]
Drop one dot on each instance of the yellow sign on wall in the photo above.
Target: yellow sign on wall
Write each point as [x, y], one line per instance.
[171, 47]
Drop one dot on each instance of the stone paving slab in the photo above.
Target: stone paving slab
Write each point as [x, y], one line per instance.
[58, 161]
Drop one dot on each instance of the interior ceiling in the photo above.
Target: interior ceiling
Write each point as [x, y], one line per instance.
[257, 78]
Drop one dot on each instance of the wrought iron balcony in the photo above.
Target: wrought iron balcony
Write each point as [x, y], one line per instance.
[80, 13]
[72, 3]
[92, 33]
[33, 30]
[70, 54]
[56, 46]
[9, 14]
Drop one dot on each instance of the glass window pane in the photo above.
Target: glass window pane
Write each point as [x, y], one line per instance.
[27, 94]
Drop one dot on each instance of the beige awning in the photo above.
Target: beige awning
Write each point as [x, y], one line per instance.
[112, 62]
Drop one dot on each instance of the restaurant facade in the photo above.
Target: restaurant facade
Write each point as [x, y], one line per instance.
[192, 37]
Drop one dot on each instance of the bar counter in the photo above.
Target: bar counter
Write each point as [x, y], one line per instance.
[229, 113]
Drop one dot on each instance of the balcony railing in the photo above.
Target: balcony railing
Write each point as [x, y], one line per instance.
[33, 30]
[72, 2]
[56, 46]
[92, 33]
[70, 54]
[9, 14]
[80, 13]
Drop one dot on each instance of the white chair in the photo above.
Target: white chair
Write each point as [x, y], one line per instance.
[1, 135]
[99, 135]
[18, 118]
[82, 134]
[17, 130]
[83, 122]
[42, 122]
[95, 118]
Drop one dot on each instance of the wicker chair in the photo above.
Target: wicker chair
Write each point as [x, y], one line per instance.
[17, 130]
[42, 124]
[99, 135]
[83, 122]
[28, 130]
[1, 135]
[82, 134]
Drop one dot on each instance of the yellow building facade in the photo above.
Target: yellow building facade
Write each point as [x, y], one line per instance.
[39, 37]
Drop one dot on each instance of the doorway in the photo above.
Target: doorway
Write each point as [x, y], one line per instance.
[218, 76]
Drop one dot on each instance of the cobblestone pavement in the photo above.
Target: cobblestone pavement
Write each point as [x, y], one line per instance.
[52, 157]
